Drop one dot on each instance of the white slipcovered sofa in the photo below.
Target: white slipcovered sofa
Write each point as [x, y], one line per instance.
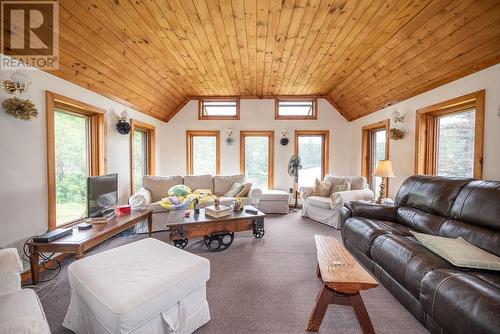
[20, 309]
[156, 187]
[326, 210]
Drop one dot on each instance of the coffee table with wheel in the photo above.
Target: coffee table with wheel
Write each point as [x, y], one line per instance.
[218, 233]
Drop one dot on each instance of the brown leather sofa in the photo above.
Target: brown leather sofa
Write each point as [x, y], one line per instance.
[446, 299]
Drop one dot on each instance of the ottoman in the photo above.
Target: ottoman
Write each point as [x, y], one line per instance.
[274, 201]
[144, 287]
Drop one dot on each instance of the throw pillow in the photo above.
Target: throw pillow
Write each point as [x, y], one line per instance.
[203, 192]
[322, 188]
[234, 190]
[344, 185]
[245, 190]
[179, 190]
[459, 252]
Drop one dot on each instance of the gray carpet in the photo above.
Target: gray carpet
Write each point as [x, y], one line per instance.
[261, 286]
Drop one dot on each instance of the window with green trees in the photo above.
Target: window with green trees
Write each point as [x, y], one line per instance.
[257, 157]
[72, 165]
[203, 152]
[455, 144]
[312, 148]
[378, 140]
[140, 152]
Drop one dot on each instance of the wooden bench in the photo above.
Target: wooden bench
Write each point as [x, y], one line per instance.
[344, 277]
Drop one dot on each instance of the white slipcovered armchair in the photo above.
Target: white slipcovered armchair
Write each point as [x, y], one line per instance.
[326, 210]
[20, 309]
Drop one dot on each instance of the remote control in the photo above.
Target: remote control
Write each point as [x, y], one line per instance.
[252, 211]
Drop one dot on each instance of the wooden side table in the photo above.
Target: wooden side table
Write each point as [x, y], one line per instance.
[344, 277]
[82, 240]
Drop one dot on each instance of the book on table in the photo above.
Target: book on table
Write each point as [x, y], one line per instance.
[222, 211]
[103, 219]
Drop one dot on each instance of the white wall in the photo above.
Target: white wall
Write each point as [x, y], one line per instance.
[401, 152]
[23, 176]
[258, 114]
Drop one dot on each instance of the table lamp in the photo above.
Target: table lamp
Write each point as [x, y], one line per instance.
[383, 169]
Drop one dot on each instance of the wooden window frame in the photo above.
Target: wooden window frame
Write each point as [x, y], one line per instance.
[270, 160]
[366, 149]
[426, 131]
[190, 134]
[97, 139]
[325, 168]
[314, 101]
[151, 149]
[218, 118]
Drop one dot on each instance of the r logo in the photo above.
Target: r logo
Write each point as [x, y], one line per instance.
[30, 28]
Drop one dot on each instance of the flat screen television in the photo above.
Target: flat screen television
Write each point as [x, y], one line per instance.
[102, 193]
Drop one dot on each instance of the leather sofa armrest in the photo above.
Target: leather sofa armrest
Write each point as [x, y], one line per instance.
[373, 211]
[140, 199]
[345, 213]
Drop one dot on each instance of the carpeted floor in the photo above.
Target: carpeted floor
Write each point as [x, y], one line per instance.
[261, 286]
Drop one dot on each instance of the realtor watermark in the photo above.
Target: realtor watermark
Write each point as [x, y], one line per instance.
[30, 35]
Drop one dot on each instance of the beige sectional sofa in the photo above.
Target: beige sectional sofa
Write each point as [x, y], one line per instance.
[156, 187]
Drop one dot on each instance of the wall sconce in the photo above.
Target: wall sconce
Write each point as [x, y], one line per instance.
[17, 85]
[122, 124]
[229, 136]
[397, 117]
[284, 140]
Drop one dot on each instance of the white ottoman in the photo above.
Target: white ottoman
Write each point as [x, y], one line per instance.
[274, 201]
[144, 287]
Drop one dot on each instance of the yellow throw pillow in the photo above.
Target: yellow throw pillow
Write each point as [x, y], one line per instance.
[322, 188]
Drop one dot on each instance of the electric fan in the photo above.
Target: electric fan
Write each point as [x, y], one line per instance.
[293, 170]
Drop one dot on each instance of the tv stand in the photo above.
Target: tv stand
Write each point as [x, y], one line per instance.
[79, 241]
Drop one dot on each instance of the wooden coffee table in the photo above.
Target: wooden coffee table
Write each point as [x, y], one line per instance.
[218, 233]
[344, 277]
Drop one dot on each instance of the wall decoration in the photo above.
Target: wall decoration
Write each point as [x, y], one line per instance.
[17, 85]
[284, 140]
[20, 108]
[229, 136]
[396, 134]
[122, 124]
[397, 117]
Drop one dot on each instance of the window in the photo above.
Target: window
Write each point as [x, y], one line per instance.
[312, 148]
[449, 139]
[75, 150]
[295, 108]
[257, 157]
[375, 147]
[142, 153]
[202, 151]
[219, 109]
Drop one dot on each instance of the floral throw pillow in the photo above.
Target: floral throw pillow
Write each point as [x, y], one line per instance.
[322, 188]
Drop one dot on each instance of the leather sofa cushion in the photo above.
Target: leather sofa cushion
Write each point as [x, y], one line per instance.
[419, 220]
[462, 302]
[430, 194]
[482, 237]
[405, 260]
[361, 232]
[478, 204]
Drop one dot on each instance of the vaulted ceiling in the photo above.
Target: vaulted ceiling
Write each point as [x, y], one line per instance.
[361, 55]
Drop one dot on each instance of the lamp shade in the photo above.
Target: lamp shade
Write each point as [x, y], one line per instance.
[383, 168]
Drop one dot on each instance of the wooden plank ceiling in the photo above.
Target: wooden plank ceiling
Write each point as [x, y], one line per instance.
[361, 55]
